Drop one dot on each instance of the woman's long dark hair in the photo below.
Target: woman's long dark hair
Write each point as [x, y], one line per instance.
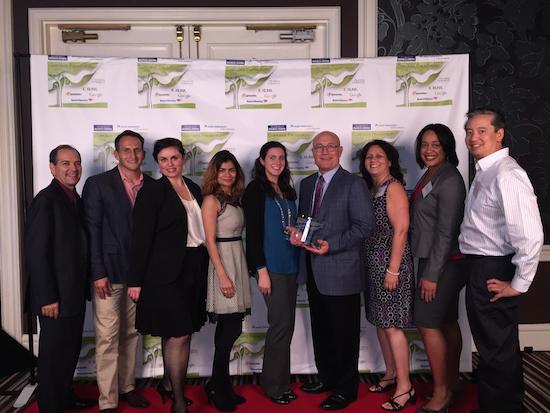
[393, 157]
[446, 139]
[210, 184]
[284, 181]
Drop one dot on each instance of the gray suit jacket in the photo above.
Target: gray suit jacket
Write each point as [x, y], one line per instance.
[436, 218]
[346, 211]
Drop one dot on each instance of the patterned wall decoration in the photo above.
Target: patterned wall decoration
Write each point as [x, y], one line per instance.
[509, 46]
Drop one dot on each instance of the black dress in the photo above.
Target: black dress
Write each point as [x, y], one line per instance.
[172, 276]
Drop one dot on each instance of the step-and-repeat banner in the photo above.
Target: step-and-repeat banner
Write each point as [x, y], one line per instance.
[238, 105]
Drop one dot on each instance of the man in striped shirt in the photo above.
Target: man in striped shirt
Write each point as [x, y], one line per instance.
[502, 237]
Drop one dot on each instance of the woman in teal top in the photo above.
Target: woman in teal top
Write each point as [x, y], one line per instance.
[269, 204]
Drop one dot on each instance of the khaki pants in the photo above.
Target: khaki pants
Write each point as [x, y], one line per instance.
[116, 339]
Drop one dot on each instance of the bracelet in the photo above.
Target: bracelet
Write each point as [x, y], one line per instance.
[391, 272]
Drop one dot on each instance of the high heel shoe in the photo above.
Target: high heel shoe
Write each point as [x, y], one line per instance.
[396, 407]
[166, 394]
[222, 402]
[378, 388]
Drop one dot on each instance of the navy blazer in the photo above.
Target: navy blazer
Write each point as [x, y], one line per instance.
[436, 219]
[347, 215]
[159, 234]
[56, 252]
[108, 214]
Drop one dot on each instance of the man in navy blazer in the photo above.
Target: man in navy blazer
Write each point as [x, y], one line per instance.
[108, 202]
[56, 263]
[332, 269]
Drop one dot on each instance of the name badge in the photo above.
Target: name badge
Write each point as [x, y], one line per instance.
[427, 189]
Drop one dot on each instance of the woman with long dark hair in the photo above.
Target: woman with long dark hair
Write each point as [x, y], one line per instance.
[168, 263]
[389, 270]
[270, 207]
[228, 296]
[437, 209]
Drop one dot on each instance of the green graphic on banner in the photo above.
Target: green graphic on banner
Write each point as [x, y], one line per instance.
[249, 344]
[296, 143]
[244, 84]
[200, 146]
[418, 360]
[157, 83]
[359, 138]
[68, 80]
[414, 80]
[104, 151]
[330, 82]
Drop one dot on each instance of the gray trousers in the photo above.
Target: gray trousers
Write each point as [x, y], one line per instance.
[281, 311]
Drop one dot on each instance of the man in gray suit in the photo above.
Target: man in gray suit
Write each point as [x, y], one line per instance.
[108, 202]
[333, 271]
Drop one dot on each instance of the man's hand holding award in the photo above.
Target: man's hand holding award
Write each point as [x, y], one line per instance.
[305, 234]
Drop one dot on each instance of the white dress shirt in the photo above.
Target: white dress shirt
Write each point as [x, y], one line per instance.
[501, 217]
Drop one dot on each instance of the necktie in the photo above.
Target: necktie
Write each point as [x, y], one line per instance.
[318, 195]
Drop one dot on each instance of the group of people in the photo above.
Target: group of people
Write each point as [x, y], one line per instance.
[165, 255]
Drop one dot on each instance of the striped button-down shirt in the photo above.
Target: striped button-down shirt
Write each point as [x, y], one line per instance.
[501, 217]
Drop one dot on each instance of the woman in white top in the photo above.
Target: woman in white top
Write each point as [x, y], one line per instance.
[168, 263]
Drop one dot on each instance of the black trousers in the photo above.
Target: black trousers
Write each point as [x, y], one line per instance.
[495, 331]
[59, 348]
[335, 329]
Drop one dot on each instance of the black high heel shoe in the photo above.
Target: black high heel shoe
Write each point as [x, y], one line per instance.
[396, 407]
[166, 394]
[222, 402]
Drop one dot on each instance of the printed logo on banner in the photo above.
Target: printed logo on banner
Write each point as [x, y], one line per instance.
[297, 140]
[162, 86]
[200, 144]
[337, 85]
[246, 352]
[250, 85]
[104, 148]
[74, 83]
[420, 82]
[363, 133]
[418, 359]
[86, 360]
[152, 364]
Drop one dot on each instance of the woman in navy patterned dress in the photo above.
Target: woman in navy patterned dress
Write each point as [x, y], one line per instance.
[389, 270]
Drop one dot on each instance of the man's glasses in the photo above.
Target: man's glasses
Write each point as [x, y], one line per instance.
[331, 147]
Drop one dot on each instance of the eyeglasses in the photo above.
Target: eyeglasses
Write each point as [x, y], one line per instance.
[331, 147]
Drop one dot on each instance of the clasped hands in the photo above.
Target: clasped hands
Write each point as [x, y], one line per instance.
[295, 239]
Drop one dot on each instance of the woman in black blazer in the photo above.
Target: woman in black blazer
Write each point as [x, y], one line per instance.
[437, 209]
[168, 263]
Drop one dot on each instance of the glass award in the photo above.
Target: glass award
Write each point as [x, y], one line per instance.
[310, 229]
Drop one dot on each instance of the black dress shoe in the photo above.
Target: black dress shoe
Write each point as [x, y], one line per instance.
[238, 399]
[134, 399]
[335, 402]
[282, 399]
[76, 403]
[315, 387]
[290, 395]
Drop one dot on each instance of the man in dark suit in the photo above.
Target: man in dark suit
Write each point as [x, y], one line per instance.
[108, 202]
[56, 263]
[332, 269]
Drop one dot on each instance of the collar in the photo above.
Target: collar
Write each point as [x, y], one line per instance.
[125, 178]
[488, 161]
[327, 176]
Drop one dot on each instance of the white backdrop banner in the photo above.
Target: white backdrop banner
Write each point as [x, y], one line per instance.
[238, 105]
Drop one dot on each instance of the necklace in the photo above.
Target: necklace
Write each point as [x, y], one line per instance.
[289, 213]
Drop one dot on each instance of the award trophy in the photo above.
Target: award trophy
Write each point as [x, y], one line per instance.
[309, 229]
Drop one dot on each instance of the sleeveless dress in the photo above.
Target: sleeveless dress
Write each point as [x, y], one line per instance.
[230, 225]
[386, 308]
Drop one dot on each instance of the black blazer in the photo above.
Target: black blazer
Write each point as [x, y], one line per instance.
[108, 214]
[55, 251]
[159, 234]
[254, 209]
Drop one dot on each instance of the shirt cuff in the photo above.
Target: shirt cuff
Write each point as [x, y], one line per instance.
[519, 284]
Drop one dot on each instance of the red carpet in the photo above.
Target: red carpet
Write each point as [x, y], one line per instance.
[257, 402]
